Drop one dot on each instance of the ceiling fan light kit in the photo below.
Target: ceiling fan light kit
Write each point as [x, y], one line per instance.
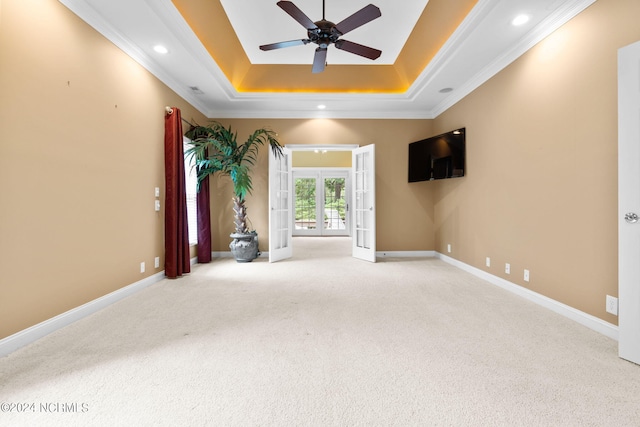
[324, 33]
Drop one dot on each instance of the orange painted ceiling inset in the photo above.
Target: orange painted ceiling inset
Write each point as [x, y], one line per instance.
[437, 23]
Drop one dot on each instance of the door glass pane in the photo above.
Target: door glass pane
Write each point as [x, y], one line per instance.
[282, 203]
[334, 204]
[305, 203]
[362, 203]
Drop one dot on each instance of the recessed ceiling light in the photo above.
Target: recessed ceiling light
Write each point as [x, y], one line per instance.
[160, 49]
[520, 20]
[321, 107]
[446, 90]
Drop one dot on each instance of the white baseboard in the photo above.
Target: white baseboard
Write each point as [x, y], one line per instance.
[405, 254]
[581, 317]
[223, 254]
[29, 335]
[228, 254]
[381, 254]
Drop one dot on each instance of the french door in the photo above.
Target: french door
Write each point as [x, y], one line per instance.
[321, 202]
[363, 168]
[280, 189]
[629, 202]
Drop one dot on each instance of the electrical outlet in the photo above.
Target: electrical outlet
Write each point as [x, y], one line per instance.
[156, 262]
[142, 267]
[488, 262]
[526, 275]
[449, 248]
[612, 305]
[507, 268]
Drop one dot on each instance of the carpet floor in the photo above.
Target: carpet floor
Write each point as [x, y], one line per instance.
[321, 339]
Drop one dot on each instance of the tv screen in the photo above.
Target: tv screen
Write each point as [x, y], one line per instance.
[438, 157]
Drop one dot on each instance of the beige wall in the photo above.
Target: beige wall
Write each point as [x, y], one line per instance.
[81, 150]
[321, 159]
[541, 185]
[411, 231]
[81, 129]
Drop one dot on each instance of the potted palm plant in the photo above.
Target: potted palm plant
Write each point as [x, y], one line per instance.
[215, 149]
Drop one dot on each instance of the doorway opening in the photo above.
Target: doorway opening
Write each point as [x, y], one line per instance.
[321, 202]
[323, 198]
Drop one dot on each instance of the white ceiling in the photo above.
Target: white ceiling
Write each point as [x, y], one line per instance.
[387, 33]
[484, 43]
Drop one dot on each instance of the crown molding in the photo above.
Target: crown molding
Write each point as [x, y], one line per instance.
[224, 101]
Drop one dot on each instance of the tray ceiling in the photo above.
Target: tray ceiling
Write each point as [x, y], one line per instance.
[434, 52]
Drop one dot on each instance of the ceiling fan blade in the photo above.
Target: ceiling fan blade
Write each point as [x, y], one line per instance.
[361, 17]
[319, 60]
[280, 45]
[297, 14]
[358, 49]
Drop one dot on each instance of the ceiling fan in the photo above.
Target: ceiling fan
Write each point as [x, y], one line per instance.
[323, 33]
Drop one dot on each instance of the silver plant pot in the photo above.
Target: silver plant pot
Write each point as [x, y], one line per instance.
[244, 247]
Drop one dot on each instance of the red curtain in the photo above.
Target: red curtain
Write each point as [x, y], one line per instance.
[176, 232]
[204, 223]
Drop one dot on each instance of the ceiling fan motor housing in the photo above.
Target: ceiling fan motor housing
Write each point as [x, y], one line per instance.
[325, 33]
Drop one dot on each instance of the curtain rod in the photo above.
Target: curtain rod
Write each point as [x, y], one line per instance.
[169, 110]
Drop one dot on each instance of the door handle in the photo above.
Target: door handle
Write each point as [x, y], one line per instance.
[631, 218]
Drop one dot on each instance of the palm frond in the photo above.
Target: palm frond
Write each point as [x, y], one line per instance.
[215, 149]
[241, 180]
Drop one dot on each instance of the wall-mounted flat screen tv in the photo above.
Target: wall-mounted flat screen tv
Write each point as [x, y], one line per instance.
[438, 157]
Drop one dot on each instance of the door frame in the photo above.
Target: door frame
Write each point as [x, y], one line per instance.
[312, 147]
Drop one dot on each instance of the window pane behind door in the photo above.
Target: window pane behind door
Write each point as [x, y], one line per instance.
[305, 203]
[334, 204]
